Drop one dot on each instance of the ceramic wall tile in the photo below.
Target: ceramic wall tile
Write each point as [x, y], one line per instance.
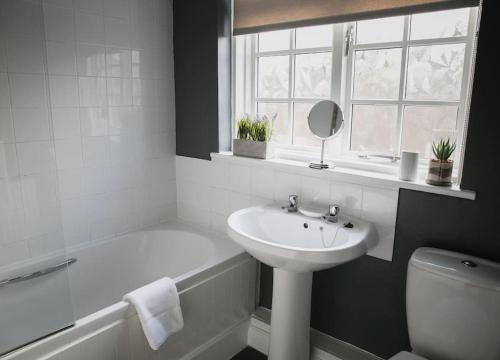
[118, 62]
[66, 123]
[348, 196]
[59, 23]
[35, 157]
[25, 54]
[6, 126]
[286, 184]
[31, 124]
[61, 57]
[28, 90]
[240, 178]
[89, 27]
[93, 6]
[117, 32]
[4, 91]
[21, 17]
[91, 60]
[8, 161]
[263, 183]
[63, 91]
[314, 190]
[119, 8]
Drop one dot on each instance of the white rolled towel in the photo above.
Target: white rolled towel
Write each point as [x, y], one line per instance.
[159, 310]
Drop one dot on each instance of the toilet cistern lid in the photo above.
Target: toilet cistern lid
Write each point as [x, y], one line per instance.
[405, 355]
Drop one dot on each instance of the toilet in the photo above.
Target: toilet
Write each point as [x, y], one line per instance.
[452, 306]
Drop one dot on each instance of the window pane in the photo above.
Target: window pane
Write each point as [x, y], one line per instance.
[313, 75]
[281, 130]
[274, 40]
[301, 133]
[377, 73]
[374, 128]
[314, 36]
[380, 30]
[435, 72]
[422, 125]
[273, 76]
[440, 24]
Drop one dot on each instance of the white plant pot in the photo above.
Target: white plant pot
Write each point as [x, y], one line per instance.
[253, 149]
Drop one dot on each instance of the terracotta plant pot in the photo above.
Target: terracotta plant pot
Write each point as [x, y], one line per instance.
[440, 172]
[253, 149]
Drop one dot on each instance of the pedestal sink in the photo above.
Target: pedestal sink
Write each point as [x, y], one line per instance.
[295, 246]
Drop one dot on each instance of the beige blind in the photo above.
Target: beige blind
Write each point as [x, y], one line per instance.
[252, 16]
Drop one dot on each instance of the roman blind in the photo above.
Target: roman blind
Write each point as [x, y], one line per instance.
[252, 16]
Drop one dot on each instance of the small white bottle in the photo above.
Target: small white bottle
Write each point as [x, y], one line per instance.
[408, 166]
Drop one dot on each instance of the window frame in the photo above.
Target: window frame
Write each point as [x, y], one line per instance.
[341, 91]
[406, 43]
[292, 52]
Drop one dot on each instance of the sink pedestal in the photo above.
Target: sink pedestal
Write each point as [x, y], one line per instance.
[290, 316]
[294, 245]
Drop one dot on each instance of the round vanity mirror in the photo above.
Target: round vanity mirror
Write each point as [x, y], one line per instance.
[325, 122]
[325, 119]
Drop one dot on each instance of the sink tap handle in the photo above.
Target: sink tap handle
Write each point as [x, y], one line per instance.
[333, 210]
[293, 204]
[332, 216]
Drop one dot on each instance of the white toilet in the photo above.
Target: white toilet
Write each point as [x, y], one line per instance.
[452, 306]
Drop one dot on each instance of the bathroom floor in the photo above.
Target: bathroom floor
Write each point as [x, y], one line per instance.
[249, 354]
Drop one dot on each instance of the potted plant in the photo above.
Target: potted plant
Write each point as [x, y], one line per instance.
[253, 137]
[441, 168]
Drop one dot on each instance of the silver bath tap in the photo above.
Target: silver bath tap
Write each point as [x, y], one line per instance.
[333, 213]
[293, 203]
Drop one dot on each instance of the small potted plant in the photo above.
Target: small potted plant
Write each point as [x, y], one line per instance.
[441, 168]
[253, 137]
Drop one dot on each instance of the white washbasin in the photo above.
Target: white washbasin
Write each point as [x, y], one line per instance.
[292, 241]
[295, 246]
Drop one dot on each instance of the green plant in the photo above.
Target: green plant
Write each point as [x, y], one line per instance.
[244, 125]
[261, 131]
[443, 149]
[255, 128]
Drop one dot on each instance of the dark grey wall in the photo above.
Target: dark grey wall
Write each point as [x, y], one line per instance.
[363, 302]
[224, 68]
[202, 61]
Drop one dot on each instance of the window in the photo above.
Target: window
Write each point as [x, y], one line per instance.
[402, 81]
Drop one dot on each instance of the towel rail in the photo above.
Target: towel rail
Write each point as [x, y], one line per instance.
[39, 273]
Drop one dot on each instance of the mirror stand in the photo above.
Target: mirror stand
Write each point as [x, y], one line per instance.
[325, 122]
[321, 164]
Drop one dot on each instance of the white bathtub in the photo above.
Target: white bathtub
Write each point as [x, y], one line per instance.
[214, 276]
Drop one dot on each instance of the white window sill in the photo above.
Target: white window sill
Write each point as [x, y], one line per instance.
[361, 177]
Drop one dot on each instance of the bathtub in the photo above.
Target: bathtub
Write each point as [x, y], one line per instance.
[216, 280]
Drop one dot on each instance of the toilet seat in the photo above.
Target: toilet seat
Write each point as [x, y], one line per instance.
[405, 355]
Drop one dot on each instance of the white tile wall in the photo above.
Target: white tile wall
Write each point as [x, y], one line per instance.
[208, 191]
[86, 144]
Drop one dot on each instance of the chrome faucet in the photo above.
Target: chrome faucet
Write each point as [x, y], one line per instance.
[333, 214]
[293, 203]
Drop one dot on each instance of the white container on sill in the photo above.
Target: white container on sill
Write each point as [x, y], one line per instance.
[408, 166]
[253, 149]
